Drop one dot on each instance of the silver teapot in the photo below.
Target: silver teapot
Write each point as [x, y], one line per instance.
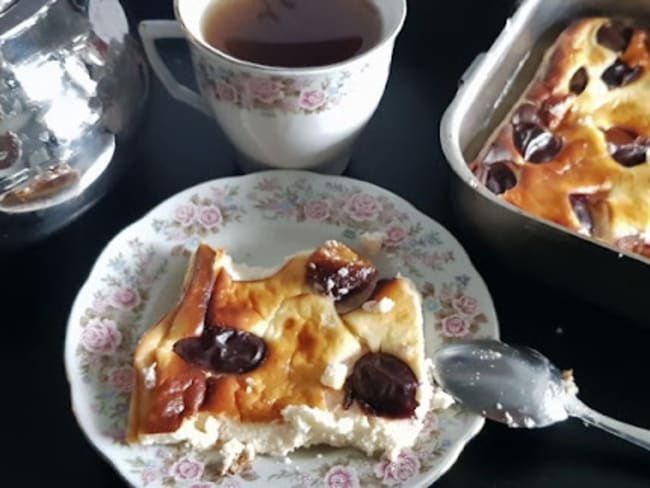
[73, 84]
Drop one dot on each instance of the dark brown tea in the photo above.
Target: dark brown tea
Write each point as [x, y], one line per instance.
[293, 33]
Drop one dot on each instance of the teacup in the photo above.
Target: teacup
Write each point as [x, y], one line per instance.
[289, 118]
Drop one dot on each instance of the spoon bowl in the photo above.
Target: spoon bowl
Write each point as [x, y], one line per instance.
[518, 386]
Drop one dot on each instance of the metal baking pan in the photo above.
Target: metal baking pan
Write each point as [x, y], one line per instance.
[616, 280]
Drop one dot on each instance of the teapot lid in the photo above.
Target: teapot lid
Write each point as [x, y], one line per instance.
[56, 142]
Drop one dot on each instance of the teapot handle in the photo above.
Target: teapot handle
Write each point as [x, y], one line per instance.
[150, 32]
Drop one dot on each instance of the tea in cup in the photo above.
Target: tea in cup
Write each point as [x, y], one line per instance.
[291, 82]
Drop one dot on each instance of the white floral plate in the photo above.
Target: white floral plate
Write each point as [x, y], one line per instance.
[262, 218]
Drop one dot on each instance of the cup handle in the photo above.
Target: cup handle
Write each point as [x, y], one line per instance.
[150, 32]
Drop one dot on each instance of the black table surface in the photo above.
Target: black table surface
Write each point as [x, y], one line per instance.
[399, 150]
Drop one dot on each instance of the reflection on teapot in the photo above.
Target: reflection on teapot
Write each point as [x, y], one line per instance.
[73, 83]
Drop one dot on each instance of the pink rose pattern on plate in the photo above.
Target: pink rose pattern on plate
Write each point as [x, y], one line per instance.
[404, 468]
[341, 477]
[148, 476]
[362, 207]
[356, 212]
[121, 379]
[318, 210]
[101, 336]
[126, 298]
[430, 426]
[186, 214]
[395, 235]
[458, 315]
[465, 305]
[275, 94]
[186, 469]
[201, 216]
[210, 216]
[230, 484]
[455, 326]
[108, 338]
[175, 466]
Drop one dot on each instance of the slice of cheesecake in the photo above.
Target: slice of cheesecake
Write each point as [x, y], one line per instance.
[314, 352]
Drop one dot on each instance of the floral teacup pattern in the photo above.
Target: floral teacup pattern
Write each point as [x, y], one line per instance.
[265, 216]
[272, 95]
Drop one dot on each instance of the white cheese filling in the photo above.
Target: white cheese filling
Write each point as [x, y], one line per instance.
[301, 426]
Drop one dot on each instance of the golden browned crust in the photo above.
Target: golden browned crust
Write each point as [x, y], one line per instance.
[175, 382]
[301, 328]
[575, 149]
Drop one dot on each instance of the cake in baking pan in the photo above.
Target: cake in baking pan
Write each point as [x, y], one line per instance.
[575, 149]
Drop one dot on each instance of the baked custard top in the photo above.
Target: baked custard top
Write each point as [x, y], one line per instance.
[246, 349]
[575, 149]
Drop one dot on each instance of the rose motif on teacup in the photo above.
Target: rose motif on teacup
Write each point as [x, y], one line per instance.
[121, 379]
[265, 90]
[275, 94]
[210, 216]
[186, 469]
[186, 214]
[290, 105]
[465, 305]
[455, 326]
[312, 99]
[318, 210]
[101, 336]
[395, 236]
[125, 298]
[341, 477]
[225, 92]
[362, 207]
[405, 467]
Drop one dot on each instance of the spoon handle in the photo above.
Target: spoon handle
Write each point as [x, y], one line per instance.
[635, 435]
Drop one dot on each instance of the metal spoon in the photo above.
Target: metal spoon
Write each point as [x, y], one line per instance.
[520, 387]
